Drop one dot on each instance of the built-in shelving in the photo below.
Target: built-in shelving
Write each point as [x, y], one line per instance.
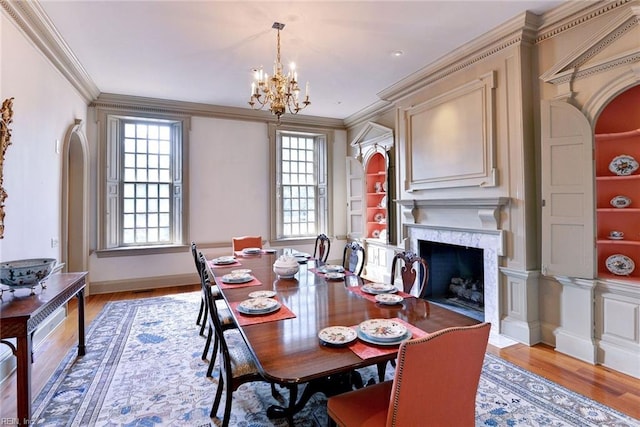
[620, 219]
[376, 189]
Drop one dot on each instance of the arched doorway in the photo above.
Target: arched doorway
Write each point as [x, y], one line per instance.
[75, 200]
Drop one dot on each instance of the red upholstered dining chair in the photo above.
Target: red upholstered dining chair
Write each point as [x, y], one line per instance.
[322, 247]
[240, 243]
[435, 384]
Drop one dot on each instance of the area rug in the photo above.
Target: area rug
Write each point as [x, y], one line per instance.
[143, 367]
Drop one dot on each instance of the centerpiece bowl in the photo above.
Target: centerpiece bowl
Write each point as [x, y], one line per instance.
[286, 266]
[25, 272]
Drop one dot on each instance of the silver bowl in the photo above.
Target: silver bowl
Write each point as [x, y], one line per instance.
[26, 272]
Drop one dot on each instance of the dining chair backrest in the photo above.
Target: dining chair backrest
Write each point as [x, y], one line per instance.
[442, 369]
[240, 243]
[194, 253]
[322, 247]
[353, 257]
[414, 272]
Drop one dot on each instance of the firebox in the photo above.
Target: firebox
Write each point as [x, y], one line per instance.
[456, 276]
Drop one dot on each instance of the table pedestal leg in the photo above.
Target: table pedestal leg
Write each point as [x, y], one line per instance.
[329, 386]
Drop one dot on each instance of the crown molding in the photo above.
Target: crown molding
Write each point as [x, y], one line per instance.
[572, 14]
[517, 31]
[154, 105]
[368, 113]
[572, 66]
[36, 25]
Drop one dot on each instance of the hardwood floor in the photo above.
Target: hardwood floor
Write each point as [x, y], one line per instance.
[604, 385]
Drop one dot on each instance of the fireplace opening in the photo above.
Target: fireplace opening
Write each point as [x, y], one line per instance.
[456, 277]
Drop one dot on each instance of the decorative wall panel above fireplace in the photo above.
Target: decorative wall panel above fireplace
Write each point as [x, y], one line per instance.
[450, 139]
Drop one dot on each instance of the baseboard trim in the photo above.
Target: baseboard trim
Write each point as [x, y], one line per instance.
[146, 283]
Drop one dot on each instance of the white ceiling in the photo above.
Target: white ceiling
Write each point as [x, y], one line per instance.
[204, 51]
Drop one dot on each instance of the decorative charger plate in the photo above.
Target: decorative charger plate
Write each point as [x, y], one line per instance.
[258, 305]
[620, 202]
[223, 260]
[251, 251]
[623, 165]
[389, 299]
[337, 335]
[383, 330]
[378, 288]
[334, 275]
[237, 278]
[262, 294]
[620, 265]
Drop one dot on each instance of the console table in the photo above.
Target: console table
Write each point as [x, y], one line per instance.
[20, 316]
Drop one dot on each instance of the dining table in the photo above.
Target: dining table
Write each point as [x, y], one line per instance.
[286, 344]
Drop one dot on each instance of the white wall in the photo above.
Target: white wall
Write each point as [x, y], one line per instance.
[229, 196]
[45, 105]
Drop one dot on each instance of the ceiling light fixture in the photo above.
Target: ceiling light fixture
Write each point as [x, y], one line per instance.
[279, 92]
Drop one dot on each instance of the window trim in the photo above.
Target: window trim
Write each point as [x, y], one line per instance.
[105, 156]
[325, 218]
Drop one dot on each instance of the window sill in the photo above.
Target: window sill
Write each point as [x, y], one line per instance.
[140, 250]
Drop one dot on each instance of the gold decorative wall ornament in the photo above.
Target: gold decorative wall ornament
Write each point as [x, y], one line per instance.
[6, 117]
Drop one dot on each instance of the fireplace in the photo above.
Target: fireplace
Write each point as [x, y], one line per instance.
[489, 243]
[456, 276]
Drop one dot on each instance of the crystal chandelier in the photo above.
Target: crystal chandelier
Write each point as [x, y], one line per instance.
[279, 92]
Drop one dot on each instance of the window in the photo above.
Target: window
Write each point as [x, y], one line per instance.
[143, 191]
[301, 184]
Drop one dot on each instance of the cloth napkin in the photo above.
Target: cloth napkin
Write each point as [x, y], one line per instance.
[249, 319]
[254, 282]
[364, 350]
[358, 290]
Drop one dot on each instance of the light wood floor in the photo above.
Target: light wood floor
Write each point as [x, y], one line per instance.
[604, 385]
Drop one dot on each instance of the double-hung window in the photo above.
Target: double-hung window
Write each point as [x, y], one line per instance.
[143, 185]
[301, 184]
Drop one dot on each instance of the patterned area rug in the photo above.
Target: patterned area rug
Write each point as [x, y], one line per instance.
[143, 368]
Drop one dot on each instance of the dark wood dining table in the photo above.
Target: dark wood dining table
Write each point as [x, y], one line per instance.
[288, 351]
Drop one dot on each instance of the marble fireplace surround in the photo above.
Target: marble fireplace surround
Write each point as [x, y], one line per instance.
[476, 226]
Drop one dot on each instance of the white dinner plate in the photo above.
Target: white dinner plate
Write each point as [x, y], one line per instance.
[331, 268]
[379, 288]
[237, 278]
[223, 260]
[251, 251]
[389, 299]
[258, 305]
[397, 341]
[334, 275]
[383, 330]
[241, 271]
[262, 294]
[337, 335]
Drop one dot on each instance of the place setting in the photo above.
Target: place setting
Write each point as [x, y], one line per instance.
[223, 262]
[237, 278]
[382, 336]
[249, 252]
[260, 307]
[382, 293]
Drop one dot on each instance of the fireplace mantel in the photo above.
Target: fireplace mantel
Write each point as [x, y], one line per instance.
[486, 209]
